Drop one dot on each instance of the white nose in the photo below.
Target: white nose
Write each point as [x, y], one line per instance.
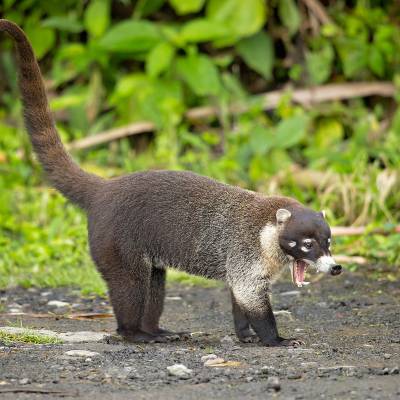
[325, 264]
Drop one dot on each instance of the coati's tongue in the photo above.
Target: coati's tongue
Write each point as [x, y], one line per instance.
[299, 272]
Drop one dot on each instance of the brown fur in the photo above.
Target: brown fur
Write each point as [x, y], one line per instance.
[144, 222]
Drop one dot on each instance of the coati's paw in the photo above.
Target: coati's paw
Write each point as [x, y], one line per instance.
[170, 335]
[292, 342]
[250, 338]
[142, 337]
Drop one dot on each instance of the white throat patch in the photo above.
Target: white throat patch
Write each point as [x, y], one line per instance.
[274, 258]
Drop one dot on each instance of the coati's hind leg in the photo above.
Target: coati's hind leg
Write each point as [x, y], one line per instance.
[155, 303]
[128, 287]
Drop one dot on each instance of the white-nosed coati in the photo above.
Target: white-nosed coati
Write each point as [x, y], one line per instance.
[141, 223]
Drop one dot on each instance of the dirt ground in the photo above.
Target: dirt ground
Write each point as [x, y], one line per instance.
[350, 324]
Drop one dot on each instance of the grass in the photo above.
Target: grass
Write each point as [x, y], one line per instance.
[27, 336]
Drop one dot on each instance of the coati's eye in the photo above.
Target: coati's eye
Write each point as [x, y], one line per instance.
[307, 245]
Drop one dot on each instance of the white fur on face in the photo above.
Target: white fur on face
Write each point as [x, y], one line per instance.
[292, 244]
[325, 263]
[303, 248]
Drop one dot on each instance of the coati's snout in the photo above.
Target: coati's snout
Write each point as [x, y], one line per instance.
[305, 237]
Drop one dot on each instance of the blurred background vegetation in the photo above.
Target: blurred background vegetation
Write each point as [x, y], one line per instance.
[111, 63]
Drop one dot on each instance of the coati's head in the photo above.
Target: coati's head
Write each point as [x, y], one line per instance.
[305, 236]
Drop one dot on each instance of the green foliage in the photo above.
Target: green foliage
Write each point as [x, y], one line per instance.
[109, 63]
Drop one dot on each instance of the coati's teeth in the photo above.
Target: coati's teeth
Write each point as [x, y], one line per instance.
[301, 284]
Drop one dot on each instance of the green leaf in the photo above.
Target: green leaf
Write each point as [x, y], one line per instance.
[261, 140]
[203, 30]
[131, 36]
[328, 132]
[68, 24]
[200, 73]
[319, 64]
[42, 39]
[376, 61]
[159, 59]
[289, 15]
[290, 131]
[353, 54]
[257, 52]
[183, 7]
[243, 18]
[97, 17]
[147, 7]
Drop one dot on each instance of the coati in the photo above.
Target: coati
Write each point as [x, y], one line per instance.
[144, 222]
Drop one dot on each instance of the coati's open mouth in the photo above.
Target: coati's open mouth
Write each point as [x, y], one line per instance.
[298, 269]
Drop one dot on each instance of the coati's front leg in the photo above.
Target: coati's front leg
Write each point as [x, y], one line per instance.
[241, 323]
[252, 307]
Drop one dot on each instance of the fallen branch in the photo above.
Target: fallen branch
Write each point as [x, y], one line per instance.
[341, 258]
[270, 100]
[361, 230]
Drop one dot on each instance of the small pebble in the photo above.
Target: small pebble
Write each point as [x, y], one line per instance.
[208, 357]
[58, 304]
[180, 371]
[24, 381]
[387, 355]
[213, 361]
[81, 353]
[274, 383]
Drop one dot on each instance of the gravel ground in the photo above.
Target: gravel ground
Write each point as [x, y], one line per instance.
[350, 325]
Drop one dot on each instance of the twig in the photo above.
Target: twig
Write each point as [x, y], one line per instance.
[361, 230]
[270, 100]
[36, 390]
[318, 10]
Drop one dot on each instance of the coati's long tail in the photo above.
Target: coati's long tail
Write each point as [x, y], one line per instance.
[65, 175]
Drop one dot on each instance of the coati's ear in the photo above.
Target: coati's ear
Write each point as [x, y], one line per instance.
[282, 215]
[323, 214]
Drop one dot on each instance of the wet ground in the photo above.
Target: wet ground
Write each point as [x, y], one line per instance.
[351, 327]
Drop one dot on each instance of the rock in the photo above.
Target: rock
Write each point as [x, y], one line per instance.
[273, 383]
[173, 298]
[250, 378]
[213, 361]
[58, 304]
[24, 381]
[394, 371]
[81, 353]
[322, 304]
[387, 356]
[293, 374]
[208, 357]
[347, 370]
[180, 371]
[82, 337]
[268, 370]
